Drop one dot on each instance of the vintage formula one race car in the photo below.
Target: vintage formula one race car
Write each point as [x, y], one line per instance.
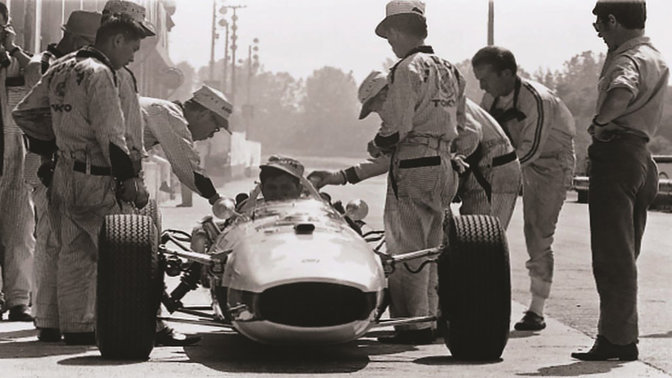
[295, 272]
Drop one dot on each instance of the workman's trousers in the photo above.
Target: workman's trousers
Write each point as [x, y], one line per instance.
[505, 181]
[414, 212]
[545, 185]
[623, 183]
[78, 204]
[17, 224]
[45, 306]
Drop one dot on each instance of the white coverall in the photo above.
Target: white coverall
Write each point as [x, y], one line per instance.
[45, 301]
[492, 183]
[166, 126]
[424, 105]
[45, 307]
[17, 223]
[542, 130]
[77, 103]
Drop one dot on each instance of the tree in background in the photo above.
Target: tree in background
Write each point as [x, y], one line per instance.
[330, 109]
[184, 91]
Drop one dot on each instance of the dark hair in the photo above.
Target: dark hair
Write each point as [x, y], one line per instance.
[270, 172]
[118, 23]
[631, 14]
[498, 57]
[4, 11]
[409, 23]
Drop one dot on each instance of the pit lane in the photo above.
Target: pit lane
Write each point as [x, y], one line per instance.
[571, 317]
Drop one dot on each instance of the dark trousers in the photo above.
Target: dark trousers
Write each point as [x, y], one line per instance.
[623, 183]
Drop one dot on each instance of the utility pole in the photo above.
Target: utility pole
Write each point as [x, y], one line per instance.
[212, 41]
[491, 22]
[226, 55]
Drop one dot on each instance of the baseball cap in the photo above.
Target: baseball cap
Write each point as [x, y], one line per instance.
[286, 164]
[397, 7]
[215, 101]
[371, 86]
[83, 23]
[135, 11]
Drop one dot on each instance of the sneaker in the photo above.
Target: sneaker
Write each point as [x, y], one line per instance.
[169, 337]
[20, 313]
[49, 335]
[530, 322]
[604, 350]
[79, 338]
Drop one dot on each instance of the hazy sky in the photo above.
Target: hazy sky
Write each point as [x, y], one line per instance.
[300, 36]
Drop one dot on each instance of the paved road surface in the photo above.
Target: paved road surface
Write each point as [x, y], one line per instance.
[571, 318]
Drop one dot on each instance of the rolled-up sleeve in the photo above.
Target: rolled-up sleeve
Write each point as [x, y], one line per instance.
[170, 130]
[624, 75]
[33, 115]
[104, 111]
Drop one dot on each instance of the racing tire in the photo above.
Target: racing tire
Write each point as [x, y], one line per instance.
[475, 288]
[152, 210]
[130, 282]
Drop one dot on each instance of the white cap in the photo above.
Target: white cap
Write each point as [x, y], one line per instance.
[396, 7]
[371, 86]
[135, 11]
[215, 101]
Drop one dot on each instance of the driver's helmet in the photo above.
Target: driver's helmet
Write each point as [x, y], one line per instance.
[285, 163]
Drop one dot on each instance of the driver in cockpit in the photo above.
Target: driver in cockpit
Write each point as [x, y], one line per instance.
[280, 178]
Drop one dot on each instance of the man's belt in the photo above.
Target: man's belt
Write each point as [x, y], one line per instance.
[503, 159]
[434, 143]
[92, 169]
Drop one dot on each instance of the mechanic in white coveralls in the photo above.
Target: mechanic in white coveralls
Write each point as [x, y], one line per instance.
[80, 30]
[16, 231]
[493, 193]
[79, 98]
[542, 130]
[425, 103]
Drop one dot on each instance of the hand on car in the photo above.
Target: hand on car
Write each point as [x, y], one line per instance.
[322, 178]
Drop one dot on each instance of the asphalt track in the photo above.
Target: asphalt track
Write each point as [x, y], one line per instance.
[571, 317]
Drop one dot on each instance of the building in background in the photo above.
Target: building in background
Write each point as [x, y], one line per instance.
[38, 23]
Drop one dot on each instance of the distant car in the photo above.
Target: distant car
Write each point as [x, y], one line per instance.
[581, 183]
[295, 272]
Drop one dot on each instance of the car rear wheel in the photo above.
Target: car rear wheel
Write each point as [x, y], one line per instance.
[130, 282]
[475, 287]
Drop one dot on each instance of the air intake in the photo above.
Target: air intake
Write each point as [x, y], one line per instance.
[315, 304]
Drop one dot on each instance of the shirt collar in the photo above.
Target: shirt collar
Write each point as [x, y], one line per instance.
[629, 44]
[415, 50]
[53, 49]
[92, 52]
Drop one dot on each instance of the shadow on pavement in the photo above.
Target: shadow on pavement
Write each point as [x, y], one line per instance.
[230, 352]
[96, 360]
[8, 336]
[658, 336]
[450, 360]
[33, 349]
[575, 369]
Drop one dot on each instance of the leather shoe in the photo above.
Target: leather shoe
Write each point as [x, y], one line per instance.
[530, 322]
[79, 338]
[604, 350]
[169, 337]
[20, 313]
[412, 337]
[49, 335]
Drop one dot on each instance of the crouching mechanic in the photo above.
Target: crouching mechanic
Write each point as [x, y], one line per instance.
[175, 126]
[542, 130]
[490, 182]
[76, 108]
